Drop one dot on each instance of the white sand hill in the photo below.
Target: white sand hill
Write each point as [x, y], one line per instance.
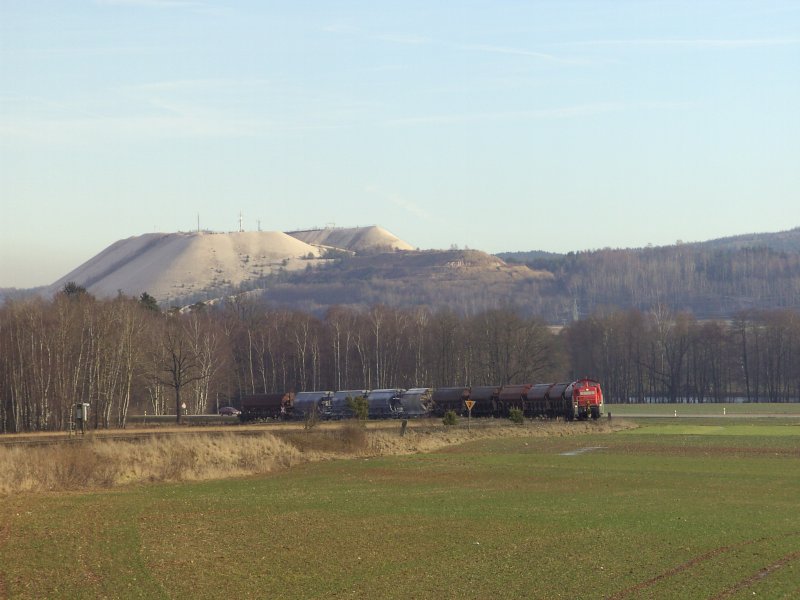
[166, 265]
[170, 265]
[356, 239]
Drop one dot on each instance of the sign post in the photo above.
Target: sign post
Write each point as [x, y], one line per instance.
[470, 404]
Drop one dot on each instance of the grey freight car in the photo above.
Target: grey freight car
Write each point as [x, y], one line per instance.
[340, 407]
[417, 402]
[385, 404]
[307, 404]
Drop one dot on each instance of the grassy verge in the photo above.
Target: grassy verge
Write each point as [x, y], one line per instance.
[96, 461]
[658, 514]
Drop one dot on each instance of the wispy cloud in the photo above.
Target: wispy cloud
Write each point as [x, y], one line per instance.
[410, 39]
[39, 121]
[150, 3]
[79, 130]
[195, 85]
[401, 202]
[690, 43]
[517, 52]
[406, 39]
[566, 112]
[545, 113]
[169, 109]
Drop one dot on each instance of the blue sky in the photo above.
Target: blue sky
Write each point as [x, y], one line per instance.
[499, 125]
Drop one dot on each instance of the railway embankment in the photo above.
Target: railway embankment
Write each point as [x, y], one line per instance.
[142, 456]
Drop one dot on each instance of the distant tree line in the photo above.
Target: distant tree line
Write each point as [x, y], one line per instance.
[703, 280]
[125, 356]
[663, 356]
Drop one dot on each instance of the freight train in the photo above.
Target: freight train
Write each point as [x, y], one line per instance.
[581, 399]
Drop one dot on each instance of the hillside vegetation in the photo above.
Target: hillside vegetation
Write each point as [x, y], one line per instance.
[466, 281]
[714, 280]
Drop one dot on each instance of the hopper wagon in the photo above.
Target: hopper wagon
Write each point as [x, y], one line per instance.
[417, 402]
[340, 406]
[307, 404]
[385, 404]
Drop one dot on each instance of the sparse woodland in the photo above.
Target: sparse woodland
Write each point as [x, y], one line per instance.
[710, 283]
[124, 356]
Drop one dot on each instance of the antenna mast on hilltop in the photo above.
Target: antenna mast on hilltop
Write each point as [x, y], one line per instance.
[241, 228]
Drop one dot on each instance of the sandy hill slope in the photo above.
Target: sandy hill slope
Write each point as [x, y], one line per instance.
[439, 264]
[170, 265]
[355, 239]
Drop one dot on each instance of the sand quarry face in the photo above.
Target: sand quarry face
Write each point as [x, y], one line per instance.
[170, 265]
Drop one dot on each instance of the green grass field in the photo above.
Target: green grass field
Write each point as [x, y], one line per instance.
[791, 409]
[672, 510]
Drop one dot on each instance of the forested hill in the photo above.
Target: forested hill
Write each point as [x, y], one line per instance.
[713, 279]
[782, 241]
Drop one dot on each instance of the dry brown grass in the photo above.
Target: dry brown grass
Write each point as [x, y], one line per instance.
[100, 463]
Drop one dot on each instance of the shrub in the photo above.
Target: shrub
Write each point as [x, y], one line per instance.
[450, 418]
[354, 438]
[312, 418]
[360, 406]
[516, 415]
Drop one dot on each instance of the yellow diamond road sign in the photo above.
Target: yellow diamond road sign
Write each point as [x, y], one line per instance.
[469, 403]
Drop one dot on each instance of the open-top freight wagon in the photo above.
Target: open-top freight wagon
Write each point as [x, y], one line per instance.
[266, 406]
[450, 398]
[512, 396]
[485, 399]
